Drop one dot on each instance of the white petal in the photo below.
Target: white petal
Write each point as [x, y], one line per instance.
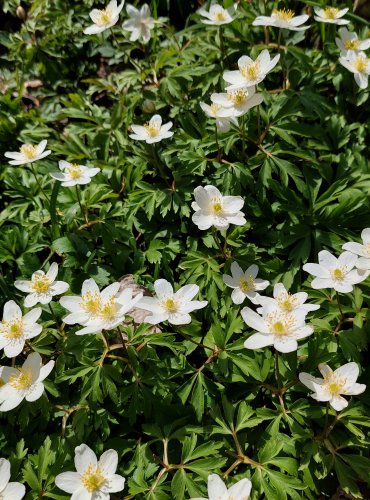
[109, 462]
[84, 456]
[36, 393]
[338, 403]
[163, 289]
[240, 490]
[349, 371]
[187, 292]
[13, 491]
[285, 345]
[68, 481]
[258, 340]
[116, 483]
[216, 487]
[254, 320]
[4, 473]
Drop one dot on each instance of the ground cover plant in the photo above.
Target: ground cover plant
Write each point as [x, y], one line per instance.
[184, 250]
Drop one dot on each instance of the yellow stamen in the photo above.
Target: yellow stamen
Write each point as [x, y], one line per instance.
[104, 17]
[283, 14]
[109, 309]
[246, 284]
[40, 283]
[29, 151]
[279, 323]
[287, 301]
[91, 302]
[21, 381]
[331, 13]
[93, 479]
[74, 171]
[170, 305]
[216, 205]
[215, 108]
[361, 64]
[220, 15]
[338, 273]
[334, 384]
[251, 71]
[238, 97]
[152, 128]
[352, 44]
[12, 329]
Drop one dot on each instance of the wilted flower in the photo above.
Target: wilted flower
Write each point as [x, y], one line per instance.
[282, 18]
[105, 18]
[15, 328]
[153, 131]
[359, 64]
[363, 251]
[214, 209]
[250, 72]
[217, 15]
[245, 284]
[217, 490]
[171, 306]
[330, 15]
[335, 383]
[335, 273]
[286, 301]
[23, 383]
[94, 480]
[72, 173]
[223, 116]
[349, 41]
[9, 491]
[239, 101]
[140, 23]
[28, 153]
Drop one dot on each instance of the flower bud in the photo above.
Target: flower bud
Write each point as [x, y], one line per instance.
[148, 106]
[21, 13]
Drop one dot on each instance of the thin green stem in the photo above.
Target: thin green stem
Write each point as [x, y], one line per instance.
[339, 306]
[242, 133]
[222, 46]
[218, 242]
[39, 183]
[83, 211]
[219, 152]
[277, 371]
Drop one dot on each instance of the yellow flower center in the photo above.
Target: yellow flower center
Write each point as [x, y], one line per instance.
[152, 129]
[361, 64]
[74, 171]
[251, 71]
[93, 478]
[109, 309]
[331, 13]
[352, 44]
[170, 305]
[238, 97]
[215, 108]
[2, 382]
[216, 205]
[287, 301]
[29, 151]
[91, 302]
[40, 283]
[283, 14]
[334, 384]
[104, 17]
[21, 381]
[246, 283]
[220, 15]
[338, 273]
[12, 329]
[280, 324]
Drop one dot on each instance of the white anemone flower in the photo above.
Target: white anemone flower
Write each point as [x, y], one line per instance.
[283, 18]
[275, 327]
[28, 153]
[153, 131]
[217, 489]
[239, 101]
[349, 41]
[171, 306]
[95, 479]
[245, 284]
[362, 251]
[105, 18]
[250, 72]
[72, 173]
[335, 383]
[42, 287]
[98, 310]
[217, 15]
[23, 383]
[223, 116]
[9, 491]
[140, 23]
[330, 15]
[15, 328]
[214, 209]
[337, 273]
[286, 301]
[359, 64]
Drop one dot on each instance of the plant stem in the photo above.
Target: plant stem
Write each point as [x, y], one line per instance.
[83, 212]
[217, 241]
[219, 152]
[39, 183]
[339, 306]
[222, 46]
[277, 372]
[242, 133]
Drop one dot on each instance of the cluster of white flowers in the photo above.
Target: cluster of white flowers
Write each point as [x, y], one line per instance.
[353, 57]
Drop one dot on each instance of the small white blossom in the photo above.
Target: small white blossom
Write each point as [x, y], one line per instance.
[282, 18]
[23, 383]
[223, 116]
[217, 15]
[214, 209]
[72, 173]
[276, 327]
[239, 101]
[349, 41]
[171, 306]
[245, 284]
[363, 251]
[153, 131]
[28, 153]
[140, 23]
[217, 489]
[335, 383]
[42, 287]
[359, 64]
[330, 15]
[335, 273]
[15, 328]
[94, 480]
[250, 72]
[286, 301]
[9, 491]
[105, 18]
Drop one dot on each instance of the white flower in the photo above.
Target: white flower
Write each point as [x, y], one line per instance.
[363, 251]
[217, 490]
[286, 301]
[250, 72]
[359, 64]
[282, 18]
[330, 15]
[72, 173]
[217, 15]
[275, 327]
[96, 310]
[245, 284]
[94, 480]
[15, 329]
[223, 116]
[349, 41]
[153, 131]
[335, 273]
[239, 101]
[9, 491]
[105, 18]
[335, 383]
[42, 287]
[171, 306]
[23, 383]
[213, 209]
[28, 153]
[140, 23]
